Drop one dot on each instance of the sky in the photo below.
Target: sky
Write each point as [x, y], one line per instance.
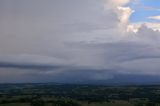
[144, 9]
[79, 41]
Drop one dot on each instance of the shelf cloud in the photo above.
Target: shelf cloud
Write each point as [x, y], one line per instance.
[75, 41]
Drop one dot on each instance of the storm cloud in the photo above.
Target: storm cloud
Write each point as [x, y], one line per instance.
[74, 41]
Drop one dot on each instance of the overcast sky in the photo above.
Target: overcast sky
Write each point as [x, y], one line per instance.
[78, 40]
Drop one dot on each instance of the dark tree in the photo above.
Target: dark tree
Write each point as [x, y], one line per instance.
[37, 103]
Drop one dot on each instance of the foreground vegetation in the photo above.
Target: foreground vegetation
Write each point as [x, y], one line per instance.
[78, 95]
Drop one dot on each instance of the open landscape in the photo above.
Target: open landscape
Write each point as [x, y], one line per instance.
[79, 52]
[78, 95]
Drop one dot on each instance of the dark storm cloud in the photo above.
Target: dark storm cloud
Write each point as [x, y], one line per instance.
[28, 66]
[71, 40]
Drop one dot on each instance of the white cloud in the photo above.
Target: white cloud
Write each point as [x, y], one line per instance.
[123, 12]
[124, 16]
[116, 3]
[135, 26]
[154, 17]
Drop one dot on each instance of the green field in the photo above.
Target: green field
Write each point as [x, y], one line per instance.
[78, 95]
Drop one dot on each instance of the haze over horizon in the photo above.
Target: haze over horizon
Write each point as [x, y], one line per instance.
[76, 41]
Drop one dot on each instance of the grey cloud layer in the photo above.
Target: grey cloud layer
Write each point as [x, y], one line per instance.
[62, 40]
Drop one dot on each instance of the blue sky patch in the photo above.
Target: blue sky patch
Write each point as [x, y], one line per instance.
[144, 9]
